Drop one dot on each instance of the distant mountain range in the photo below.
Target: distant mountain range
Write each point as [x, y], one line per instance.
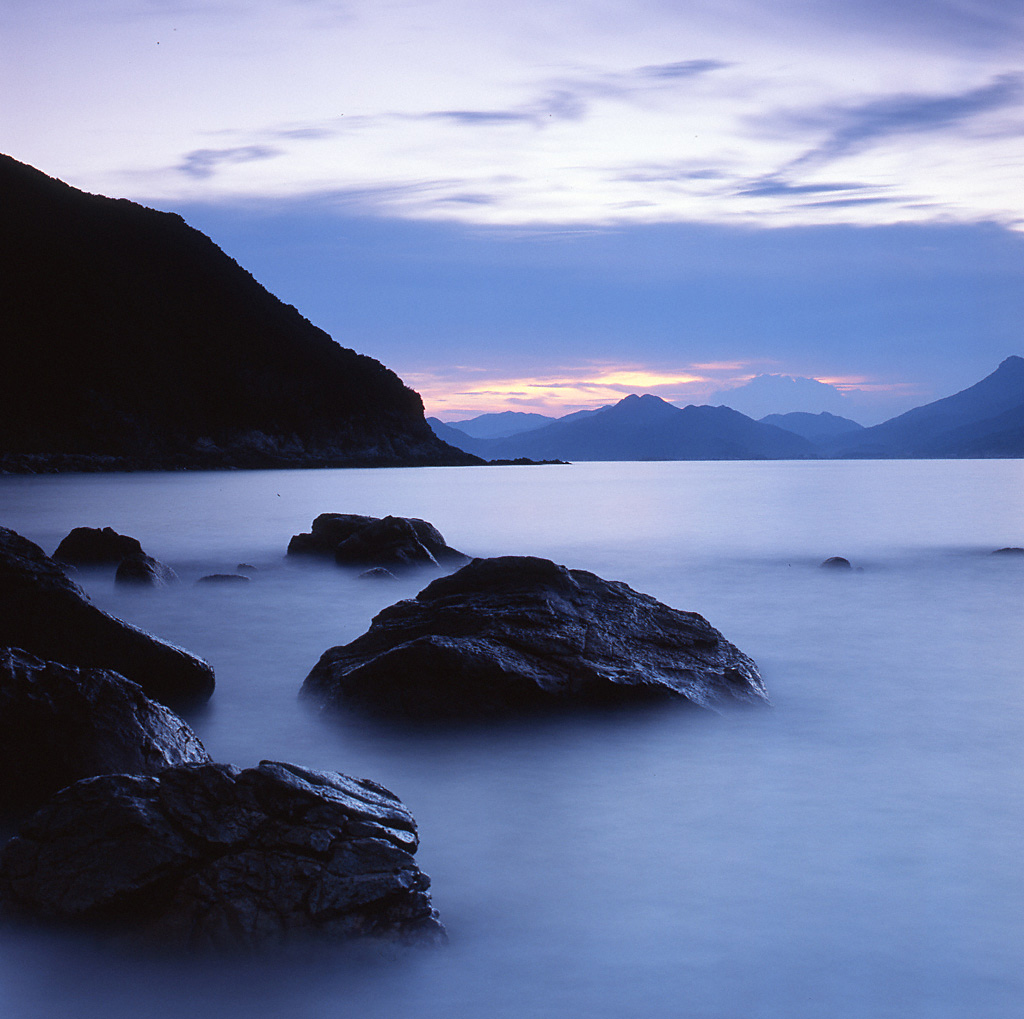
[131, 340]
[986, 420]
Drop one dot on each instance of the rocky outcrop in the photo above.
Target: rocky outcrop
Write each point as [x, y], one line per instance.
[517, 634]
[48, 615]
[59, 723]
[361, 541]
[141, 570]
[836, 562]
[96, 546]
[211, 856]
[1012, 550]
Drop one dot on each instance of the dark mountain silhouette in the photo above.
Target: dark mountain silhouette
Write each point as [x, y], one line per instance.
[498, 426]
[816, 427]
[985, 420]
[648, 428]
[132, 340]
[460, 440]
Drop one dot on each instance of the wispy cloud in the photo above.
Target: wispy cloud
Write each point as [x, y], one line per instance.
[204, 163]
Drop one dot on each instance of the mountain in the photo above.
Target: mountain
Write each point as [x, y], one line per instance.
[648, 428]
[983, 420]
[459, 439]
[815, 427]
[498, 426]
[777, 394]
[131, 340]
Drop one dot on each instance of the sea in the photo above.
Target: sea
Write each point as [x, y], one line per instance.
[853, 851]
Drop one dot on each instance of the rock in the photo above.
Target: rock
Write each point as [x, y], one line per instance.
[59, 723]
[355, 540]
[377, 573]
[223, 578]
[246, 568]
[208, 855]
[517, 634]
[836, 562]
[1012, 551]
[49, 615]
[329, 530]
[144, 571]
[93, 546]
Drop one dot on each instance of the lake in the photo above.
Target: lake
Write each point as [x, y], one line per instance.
[853, 852]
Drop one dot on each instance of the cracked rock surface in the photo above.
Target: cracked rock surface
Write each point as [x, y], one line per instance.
[49, 615]
[518, 633]
[60, 723]
[208, 855]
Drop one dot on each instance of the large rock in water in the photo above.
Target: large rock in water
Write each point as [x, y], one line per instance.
[208, 855]
[355, 540]
[50, 616]
[59, 723]
[518, 633]
[96, 546]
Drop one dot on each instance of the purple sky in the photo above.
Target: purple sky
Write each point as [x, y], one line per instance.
[546, 205]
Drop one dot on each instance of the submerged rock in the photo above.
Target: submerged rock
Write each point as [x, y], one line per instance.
[59, 723]
[95, 546]
[50, 616]
[836, 562]
[210, 856]
[518, 633]
[377, 573]
[144, 571]
[223, 578]
[1011, 551]
[362, 541]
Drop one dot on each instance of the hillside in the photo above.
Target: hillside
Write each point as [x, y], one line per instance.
[131, 340]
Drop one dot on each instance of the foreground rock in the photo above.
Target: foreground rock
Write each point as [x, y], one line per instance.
[59, 723]
[95, 546]
[211, 856]
[517, 634]
[141, 570]
[354, 540]
[50, 616]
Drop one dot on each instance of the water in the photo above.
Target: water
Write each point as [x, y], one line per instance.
[852, 852]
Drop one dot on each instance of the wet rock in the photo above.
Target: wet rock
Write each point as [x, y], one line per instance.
[329, 530]
[246, 568]
[1012, 551]
[210, 856]
[142, 570]
[518, 633]
[355, 540]
[50, 616]
[223, 578]
[836, 562]
[59, 723]
[377, 573]
[95, 546]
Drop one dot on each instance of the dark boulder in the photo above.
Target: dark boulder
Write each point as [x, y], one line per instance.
[95, 546]
[517, 634]
[210, 856]
[50, 616]
[1012, 551]
[142, 570]
[836, 562]
[59, 723]
[223, 578]
[329, 530]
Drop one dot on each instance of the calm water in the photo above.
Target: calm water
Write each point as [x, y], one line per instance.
[852, 853]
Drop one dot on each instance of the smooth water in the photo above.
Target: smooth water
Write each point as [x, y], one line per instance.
[853, 852]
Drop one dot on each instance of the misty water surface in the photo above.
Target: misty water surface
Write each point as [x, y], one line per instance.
[852, 852]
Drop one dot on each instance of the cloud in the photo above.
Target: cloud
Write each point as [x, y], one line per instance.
[773, 186]
[856, 127]
[204, 163]
[682, 69]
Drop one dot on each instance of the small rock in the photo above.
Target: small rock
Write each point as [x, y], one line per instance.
[144, 571]
[377, 573]
[836, 562]
[94, 546]
[1013, 550]
[517, 633]
[246, 568]
[223, 578]
[59, 723]
[208, 856]
[50, 616]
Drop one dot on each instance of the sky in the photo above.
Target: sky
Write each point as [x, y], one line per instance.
[547, 205]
